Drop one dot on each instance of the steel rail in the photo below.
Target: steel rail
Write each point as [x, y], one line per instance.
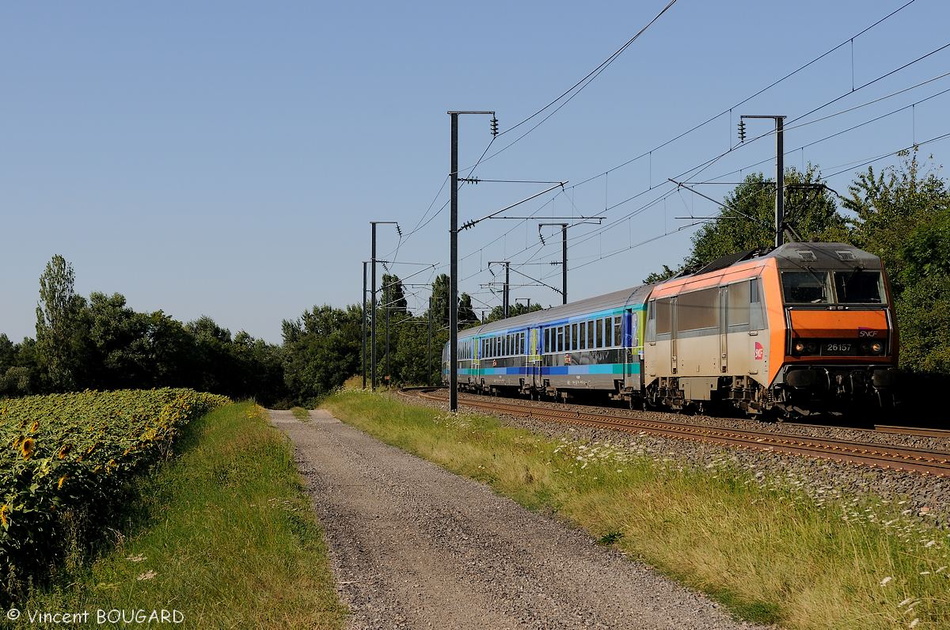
[918, 431]
[875, 455]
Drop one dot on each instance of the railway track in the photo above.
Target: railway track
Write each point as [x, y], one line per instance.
[917, 431]
[916, 460]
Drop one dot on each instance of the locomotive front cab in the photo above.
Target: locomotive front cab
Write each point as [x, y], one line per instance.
[840, 341]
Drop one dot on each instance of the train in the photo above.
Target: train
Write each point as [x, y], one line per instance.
[802, 329]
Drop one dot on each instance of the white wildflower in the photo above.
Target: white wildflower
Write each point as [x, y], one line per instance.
[886, 580]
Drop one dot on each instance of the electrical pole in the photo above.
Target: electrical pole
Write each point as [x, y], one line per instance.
[779, 181]
[386, 301]
[505, 301]
[454, 269]
[563, 256]
[363, 308]
[454, 254]
[373, 328]
[429, 347]
[779, 172]
[564, 263]
[372, 343]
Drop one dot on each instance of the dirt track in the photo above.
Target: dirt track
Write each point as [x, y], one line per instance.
[414, 546]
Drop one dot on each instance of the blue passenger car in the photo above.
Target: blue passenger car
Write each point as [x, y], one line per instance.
[593, 345]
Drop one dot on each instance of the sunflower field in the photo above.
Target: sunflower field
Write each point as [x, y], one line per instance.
[65, 458]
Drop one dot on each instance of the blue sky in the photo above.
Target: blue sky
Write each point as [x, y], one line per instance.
[227, 158]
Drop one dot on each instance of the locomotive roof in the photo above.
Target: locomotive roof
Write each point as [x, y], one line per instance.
[800, 255]
[795, 255]
[634, 296]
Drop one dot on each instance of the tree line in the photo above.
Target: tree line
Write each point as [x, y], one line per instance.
[101, 343]
[901, 214]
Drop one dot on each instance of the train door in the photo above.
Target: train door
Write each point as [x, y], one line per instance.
[673, 341]
[631, 356]
[724, 329]
[476, 359]
[533, 365]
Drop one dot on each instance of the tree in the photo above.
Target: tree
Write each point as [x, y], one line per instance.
[415, 352]
[119, 355]
[466, 312]
[19, 371]
[903, 215]
[898, 203]
[393, 295]
[7, 353]
[60, 328]
[440, 300]
[440, 304]
[321, 350]
[213, 368]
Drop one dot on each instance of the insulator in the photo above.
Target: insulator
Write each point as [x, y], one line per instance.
[741, 131]
[494, 126]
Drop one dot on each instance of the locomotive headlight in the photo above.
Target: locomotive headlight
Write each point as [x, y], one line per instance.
[877, 347]
[799, 347]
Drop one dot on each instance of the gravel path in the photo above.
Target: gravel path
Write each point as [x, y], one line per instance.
[414, 546]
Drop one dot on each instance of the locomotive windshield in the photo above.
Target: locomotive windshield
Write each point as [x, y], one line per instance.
[837, 287]
[858, 287]
[805, 287]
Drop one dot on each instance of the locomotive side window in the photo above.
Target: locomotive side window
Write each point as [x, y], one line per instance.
[756, 308]
[651, 322]
[698, 309]
[805, 287]
[664, 316]
[858, 287]
[737, 311]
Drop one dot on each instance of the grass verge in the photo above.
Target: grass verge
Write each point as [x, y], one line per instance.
[223, 534]
[768, 552]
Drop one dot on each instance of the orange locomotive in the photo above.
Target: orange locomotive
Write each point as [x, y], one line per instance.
[805, 327]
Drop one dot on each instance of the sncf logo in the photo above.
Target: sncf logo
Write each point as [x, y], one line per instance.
[867, 332]
[759, 351]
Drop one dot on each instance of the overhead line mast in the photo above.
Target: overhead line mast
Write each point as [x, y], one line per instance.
[779, 173]
[454, 252]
